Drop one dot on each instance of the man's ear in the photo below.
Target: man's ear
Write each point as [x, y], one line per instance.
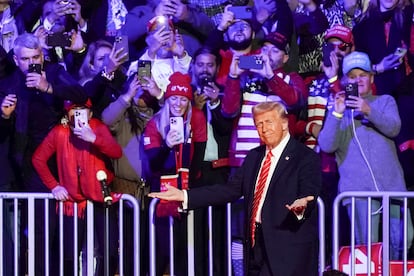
[285, 58]
[15, 60]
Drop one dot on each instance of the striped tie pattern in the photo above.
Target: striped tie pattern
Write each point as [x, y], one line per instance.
[260, 185]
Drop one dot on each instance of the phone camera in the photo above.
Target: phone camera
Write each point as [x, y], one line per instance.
[258, 60]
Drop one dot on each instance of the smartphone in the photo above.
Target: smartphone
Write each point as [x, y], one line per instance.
[351, 89]
[242, 12]
[158, 22]
[327, 48]
[203, 83]
[58, 40]
[35, 68]
[122, 42]
[250, 62]
[144, 70]
[400, 52]
[177, 124]
[81, 118]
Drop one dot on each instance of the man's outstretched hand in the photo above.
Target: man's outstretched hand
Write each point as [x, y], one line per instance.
[171, 194]
[299, 205]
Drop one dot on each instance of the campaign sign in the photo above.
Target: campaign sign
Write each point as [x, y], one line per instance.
[361, 260]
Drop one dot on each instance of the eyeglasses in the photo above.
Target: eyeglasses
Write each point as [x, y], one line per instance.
[342, 46]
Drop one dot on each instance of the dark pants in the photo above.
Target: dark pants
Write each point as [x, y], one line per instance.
[99, 221]
[163, 245]
[259, 262]
[210, 176]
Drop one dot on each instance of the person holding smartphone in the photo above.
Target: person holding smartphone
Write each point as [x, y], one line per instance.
[174, 161]
[82, 150]
[361, 137]
[40, 99]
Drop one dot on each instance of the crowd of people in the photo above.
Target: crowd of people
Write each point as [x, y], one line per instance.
[203, 97]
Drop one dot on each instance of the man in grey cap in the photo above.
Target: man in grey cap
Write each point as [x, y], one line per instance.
[359, 129]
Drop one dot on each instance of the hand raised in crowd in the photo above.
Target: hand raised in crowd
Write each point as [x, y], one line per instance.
[115, 59]
[200, 100]
[61, 7]
[165, 8]
[38, 81]
[74, 9]
[266, 71]
[235, 70]
[177, 48]
[339, 105]
[152, 87]
[172, 8]
[8, 105]
[264, 8]
[358, 104]
[299, 205]
[181, 10]
[60, 193]
[133, 88]
[226, 20]
[77, 43]
[41, 33]
[390, 62]
[157, 39]
[211, 91]
[331, 71]
[84, 132]
[173, 138]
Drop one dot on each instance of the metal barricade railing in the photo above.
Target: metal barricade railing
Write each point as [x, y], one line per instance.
[16, 200]
[152, 239]
[385, 198]
[322, 247]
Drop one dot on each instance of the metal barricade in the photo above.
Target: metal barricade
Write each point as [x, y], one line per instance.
[385, 198]
[154, 202]
[15, 201]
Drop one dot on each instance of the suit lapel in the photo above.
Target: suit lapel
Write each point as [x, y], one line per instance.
[284, 160]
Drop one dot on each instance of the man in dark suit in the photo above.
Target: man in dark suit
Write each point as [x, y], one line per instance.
[283, 231]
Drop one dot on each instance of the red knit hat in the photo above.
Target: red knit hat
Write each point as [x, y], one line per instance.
[341, 32]
[68, 105]
[180, 84]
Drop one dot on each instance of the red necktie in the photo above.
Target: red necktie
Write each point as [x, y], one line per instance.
[264, 172]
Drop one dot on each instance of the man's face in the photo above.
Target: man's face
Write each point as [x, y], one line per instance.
[25, 56]
[277, 57]
[271, 128]
[240, 35]
[363, 79]
[205, 66]
[341, 49]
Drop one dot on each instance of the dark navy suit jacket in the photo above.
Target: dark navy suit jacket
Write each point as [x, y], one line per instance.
[291, 244]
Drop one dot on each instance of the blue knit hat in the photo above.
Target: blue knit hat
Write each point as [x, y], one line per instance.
[356, 60]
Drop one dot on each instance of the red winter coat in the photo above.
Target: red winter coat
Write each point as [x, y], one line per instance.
[75, 156]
